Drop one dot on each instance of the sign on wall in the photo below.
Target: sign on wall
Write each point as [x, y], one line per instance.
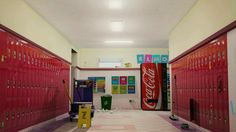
[123, 84]
[140, 59]
[98, 84]
[156, 58]
[148, 58]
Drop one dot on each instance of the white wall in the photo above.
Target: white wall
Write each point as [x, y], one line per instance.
[204, 19]
[232, 75]
[90, 57]
[21, 18]
[118, 101]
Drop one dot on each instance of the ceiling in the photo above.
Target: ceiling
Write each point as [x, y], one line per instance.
[86, 23]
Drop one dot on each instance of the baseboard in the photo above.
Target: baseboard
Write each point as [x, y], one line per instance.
[194, 125]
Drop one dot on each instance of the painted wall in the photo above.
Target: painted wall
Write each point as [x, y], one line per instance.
[118, 101]
[20, 17]
[232, 75]
[204, 19]
[90, 57]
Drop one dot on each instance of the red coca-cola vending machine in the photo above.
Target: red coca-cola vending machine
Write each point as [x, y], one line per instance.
[154, 86]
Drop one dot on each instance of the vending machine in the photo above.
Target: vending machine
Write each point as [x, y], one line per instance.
[154, 86]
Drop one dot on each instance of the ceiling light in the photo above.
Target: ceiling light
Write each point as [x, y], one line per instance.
[117, 26]
[115, 4]
[119, 42]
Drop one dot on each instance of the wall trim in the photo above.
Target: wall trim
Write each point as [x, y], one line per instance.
[205, 41]
[106, 69]
[33, 43]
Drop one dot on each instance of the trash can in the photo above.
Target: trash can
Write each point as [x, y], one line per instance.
[106, 102]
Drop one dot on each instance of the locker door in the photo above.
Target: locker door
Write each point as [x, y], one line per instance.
[205, 88]
[3, 70]
[188, 85]
[220, 86]
[215, 90]
[210, 88]
[9, 83]
[16, 84]
[225, 84]
[28, 85]
[198, 71]
[173, 89]
[201, 86]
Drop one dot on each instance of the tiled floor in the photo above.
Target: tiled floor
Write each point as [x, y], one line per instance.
[130, 121]
[127, 121]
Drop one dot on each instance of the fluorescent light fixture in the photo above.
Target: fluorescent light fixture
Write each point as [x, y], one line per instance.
[119, 42]
[115, 4]
[117, 26]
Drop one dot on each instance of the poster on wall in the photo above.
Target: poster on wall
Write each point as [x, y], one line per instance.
[131, 80]
[156, 58]
[148, 58]
[164, 58]
[98, 84]
[131, 89]
[115, 89]
[123, 89]
[115, 80]
[123, 80]
[94, 83]
[123, 84]
[140, 59]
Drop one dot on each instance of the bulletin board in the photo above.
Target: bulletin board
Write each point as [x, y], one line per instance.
[98, 84]
[123, 84]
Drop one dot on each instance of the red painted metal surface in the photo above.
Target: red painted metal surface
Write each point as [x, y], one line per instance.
[150, 86]
[31, 89]
[202, 76]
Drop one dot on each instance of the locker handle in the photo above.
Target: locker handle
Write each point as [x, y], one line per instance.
[2, 124]
[219, 84]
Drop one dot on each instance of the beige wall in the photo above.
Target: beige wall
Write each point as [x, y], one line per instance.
[18, 16]
[89, 57]
[204, 19]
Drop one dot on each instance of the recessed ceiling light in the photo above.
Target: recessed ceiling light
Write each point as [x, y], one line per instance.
[125, 42]
[117, 26]
[115, 4]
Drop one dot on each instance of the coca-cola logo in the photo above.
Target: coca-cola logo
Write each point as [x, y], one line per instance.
[148, 78]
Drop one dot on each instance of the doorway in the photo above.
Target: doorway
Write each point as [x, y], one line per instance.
[74, 74]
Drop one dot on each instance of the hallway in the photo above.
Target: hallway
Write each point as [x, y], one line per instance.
[123, 121]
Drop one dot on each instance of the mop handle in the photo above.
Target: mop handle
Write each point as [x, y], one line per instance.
[67, 92]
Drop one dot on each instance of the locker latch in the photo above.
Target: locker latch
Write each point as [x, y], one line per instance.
[13, 115]
[219, 84]
[2, 58]
[7, 116]
[2, 124]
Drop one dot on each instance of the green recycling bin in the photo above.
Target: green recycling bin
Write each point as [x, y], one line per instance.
[106, 102]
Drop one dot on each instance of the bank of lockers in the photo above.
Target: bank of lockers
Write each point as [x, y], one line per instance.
[31, 89]
[200, 86]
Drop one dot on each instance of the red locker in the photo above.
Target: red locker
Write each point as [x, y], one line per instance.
[202, 76]
[28, 74]
[3, 70]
